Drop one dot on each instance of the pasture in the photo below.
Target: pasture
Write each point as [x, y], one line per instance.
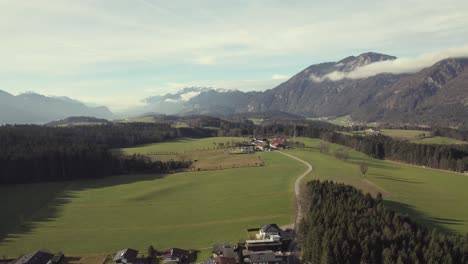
[187, 210]
[439, 140]
[433, 197]
[206, 153]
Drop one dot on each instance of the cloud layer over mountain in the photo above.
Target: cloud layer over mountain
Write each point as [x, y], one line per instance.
[397, 66]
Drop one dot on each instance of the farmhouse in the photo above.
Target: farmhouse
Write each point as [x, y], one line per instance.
[126, 256]
[277, 143]
[38, 257]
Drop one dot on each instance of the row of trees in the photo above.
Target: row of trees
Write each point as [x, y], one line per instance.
[447, 157]
[344, 226]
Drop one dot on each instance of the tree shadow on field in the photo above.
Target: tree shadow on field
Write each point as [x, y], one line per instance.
[423, 219]
[398, 179]
[24, 206]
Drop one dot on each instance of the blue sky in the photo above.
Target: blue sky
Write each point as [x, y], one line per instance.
[116, 52]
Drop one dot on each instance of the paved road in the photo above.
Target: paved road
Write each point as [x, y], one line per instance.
[297, 187]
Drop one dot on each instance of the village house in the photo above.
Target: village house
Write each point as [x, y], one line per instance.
[178, 256]
[278, 143]
[220, 260]
[269, 238]
[224, 250]
[126, 256]
[268, 230]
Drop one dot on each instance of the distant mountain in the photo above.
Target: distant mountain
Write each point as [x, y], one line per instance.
[37, 108]
[437, 95]
[197, 101]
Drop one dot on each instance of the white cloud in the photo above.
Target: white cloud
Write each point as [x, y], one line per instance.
[400, 65]
[187, 96]
[169, 100]
[279, 77]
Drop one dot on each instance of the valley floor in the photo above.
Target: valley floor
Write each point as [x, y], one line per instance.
[187, 210]
[197, 209]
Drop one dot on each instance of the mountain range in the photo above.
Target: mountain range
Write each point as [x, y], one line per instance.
[437, 95]
[36, 108]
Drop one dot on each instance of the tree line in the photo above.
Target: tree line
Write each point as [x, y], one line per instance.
[30, 153]
[342, 225]
[446, 157]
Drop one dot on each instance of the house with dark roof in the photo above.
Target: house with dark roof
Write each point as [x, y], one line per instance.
[126, 256]
[220, 260]
[58, 258]
[37, 257]
[269, 230]
[224, 250]
[263, 258]
[179, 256]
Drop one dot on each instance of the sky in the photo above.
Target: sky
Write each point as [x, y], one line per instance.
[117, 52]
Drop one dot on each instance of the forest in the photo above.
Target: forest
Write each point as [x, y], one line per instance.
[30, 153]
[342, 225]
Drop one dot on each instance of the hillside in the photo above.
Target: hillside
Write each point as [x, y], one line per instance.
[37, 108]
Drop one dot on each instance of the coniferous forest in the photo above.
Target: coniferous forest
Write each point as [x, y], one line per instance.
[31, 153]
[342, 225]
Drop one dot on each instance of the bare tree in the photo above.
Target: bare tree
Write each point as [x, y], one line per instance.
[341, 154]
[324, 148]
[363, 168]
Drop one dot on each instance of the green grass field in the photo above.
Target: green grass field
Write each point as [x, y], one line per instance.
[416, 136]
[182, 145]
[187, 210]
[435, 198]
[439, 140]
[203, 151]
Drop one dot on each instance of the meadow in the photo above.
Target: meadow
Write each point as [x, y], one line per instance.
[187, 210]
[439, 140]
[205, 153]
[415, 136]
[433, 197]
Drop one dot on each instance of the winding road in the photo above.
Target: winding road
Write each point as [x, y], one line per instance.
[294, 257]
[297, 187]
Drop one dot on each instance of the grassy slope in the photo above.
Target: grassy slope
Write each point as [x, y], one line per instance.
[434, 197]
[182, 145]
[439, 140]
[404, 134]
[193, 209]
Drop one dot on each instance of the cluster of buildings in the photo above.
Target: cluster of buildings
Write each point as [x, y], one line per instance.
[268, 144]
[267, 245]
